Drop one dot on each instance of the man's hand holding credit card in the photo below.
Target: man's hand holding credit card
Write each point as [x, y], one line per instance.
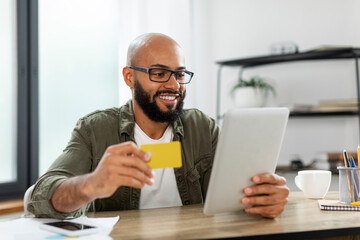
[164, 155]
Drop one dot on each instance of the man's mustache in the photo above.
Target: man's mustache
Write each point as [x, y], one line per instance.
[181, 94]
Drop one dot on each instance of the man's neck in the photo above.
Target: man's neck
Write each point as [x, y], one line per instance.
[152, 129]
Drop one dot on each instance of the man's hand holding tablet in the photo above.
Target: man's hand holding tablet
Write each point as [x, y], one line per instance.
[269, 188]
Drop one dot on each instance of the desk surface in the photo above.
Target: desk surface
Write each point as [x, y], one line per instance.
[302, 218]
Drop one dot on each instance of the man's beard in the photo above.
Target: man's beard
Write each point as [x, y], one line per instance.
[152, 110]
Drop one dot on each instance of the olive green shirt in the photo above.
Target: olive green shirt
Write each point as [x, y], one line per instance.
[93, 133]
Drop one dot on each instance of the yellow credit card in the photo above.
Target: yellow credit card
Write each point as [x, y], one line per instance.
[164, 155]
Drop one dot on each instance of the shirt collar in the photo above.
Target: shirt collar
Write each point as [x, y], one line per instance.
[127, 120]
[178, 127]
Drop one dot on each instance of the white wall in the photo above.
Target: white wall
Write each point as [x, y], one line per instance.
[137, 17]
[78, 71]
[230, 29]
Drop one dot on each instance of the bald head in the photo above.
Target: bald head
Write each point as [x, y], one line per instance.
[145, 44]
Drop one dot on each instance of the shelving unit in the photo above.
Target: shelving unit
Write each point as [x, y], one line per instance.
[343, 53]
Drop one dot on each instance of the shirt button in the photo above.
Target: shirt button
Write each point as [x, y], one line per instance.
[187, 202]
[180, 179]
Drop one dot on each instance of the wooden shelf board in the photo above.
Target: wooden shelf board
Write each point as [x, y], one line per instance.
[11, 206]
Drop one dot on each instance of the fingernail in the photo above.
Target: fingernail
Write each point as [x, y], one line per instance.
[147, 156]
[153, 173]
[248, 190]
[245, 201]
[151, 181]
[256, 179]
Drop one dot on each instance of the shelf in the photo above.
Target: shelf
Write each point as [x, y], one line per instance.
[317, 114]
[324, 114]
[310, 55]
[286, 168]
[317, 54]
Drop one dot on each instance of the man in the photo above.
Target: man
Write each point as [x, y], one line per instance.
[103, 169]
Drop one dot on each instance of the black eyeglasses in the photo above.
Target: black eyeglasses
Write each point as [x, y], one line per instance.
[163, 75]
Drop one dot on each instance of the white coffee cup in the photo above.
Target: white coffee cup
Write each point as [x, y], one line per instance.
[313, 183]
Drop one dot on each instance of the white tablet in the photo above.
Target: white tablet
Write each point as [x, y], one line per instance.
[249, 144]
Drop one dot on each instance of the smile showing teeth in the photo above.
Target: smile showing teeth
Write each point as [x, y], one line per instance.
[167, 97]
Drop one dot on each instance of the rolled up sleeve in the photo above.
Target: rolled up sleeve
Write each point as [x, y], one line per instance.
[40, 204]
[75, 160]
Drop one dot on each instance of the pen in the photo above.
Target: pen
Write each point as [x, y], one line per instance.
[355, 178]
[346, 159]
[352, 162]
[347, 164]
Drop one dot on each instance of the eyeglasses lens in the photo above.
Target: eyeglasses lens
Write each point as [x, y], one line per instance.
[162, 75]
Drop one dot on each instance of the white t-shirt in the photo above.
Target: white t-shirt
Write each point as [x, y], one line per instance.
[164, 191]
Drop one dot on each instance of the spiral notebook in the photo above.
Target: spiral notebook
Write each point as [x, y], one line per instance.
[335, 205]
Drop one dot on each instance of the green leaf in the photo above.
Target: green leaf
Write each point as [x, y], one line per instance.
[256, 82]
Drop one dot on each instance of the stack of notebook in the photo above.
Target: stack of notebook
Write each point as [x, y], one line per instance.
[335, 205]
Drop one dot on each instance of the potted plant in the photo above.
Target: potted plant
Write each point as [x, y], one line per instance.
[251, 93]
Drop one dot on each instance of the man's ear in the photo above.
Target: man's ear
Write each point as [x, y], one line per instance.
[128, 76]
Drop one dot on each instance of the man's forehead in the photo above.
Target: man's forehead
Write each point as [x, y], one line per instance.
[161, 53]
[157, 65]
